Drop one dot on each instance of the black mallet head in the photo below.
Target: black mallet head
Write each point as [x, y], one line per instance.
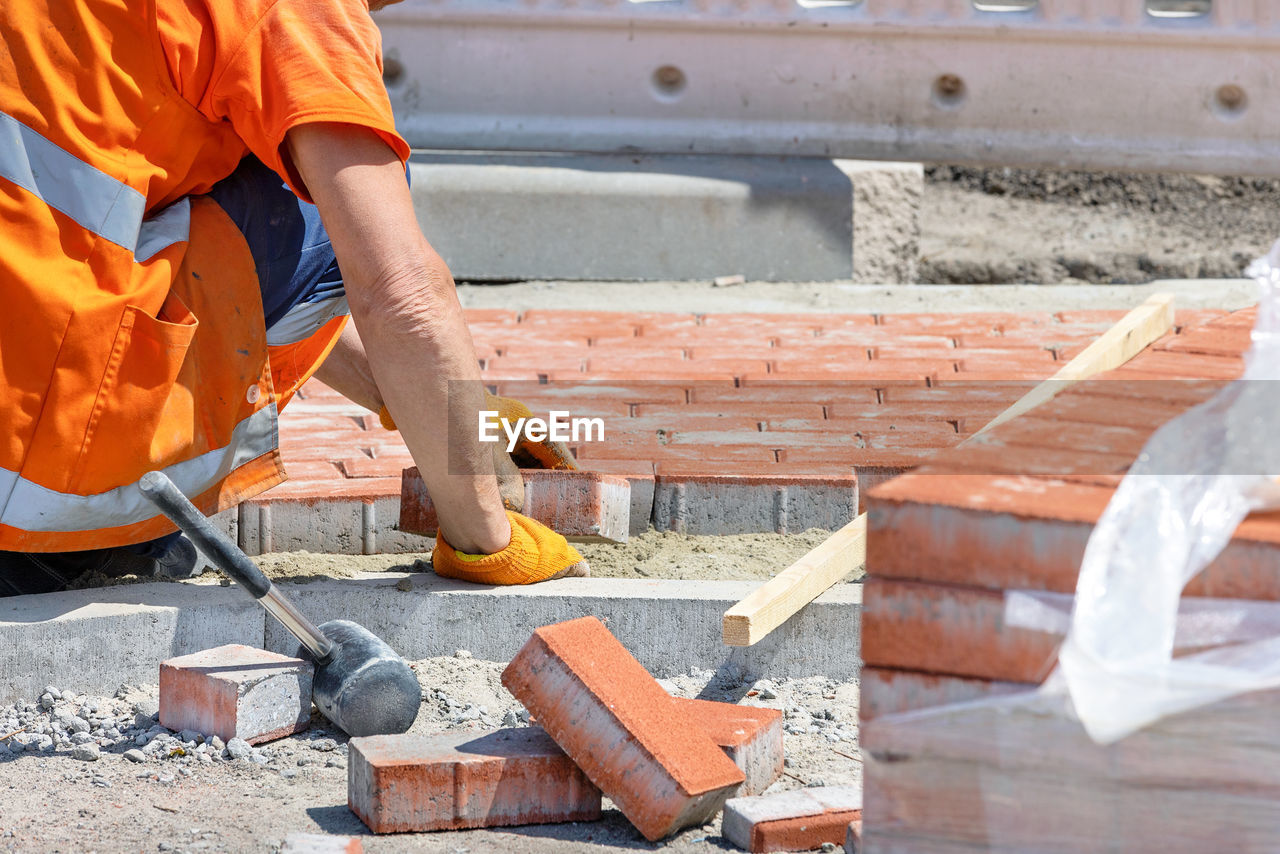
[364, 686]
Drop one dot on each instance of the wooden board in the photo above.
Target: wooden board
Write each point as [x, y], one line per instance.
[1129, 337]
[797, 585]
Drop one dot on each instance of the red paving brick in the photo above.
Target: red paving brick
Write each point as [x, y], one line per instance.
[823, 386]
[798, 820]
[885, 691]
[618, 724]
[580, 504]
[949, 629]
[236, 691]
[750, 736]
[457, 780]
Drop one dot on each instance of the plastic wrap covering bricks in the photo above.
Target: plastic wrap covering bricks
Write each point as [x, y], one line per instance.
[581, 505]
[975, 561]
[320, 843]
[750, 736]
[236, 691]
[618, 724]
[398, 783]
[799, 820]
[974, 558]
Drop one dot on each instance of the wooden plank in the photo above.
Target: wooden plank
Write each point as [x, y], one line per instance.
[1129, 337]
[796, 586]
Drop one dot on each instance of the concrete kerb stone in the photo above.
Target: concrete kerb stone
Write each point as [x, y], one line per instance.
[338, 525]
[92, 641]
[685, 217]
[722, 506]
[886, 219]
[669, 626]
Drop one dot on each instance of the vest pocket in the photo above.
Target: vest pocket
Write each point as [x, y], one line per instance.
[140, 419]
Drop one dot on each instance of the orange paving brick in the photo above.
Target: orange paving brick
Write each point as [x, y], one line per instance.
[618, 724]
[884, 691]
[799, 820]
[950, 629]
[750, 736]
[236, 691]
[320, 843]
[579, 504]
[457, 780]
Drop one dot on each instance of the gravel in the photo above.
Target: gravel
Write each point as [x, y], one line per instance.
[150, 798]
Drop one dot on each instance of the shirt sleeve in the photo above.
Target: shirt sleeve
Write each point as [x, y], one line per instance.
[303, 61]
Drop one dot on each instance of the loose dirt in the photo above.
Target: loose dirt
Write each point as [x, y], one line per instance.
[655, 554]
[997, 226]
[182, 803]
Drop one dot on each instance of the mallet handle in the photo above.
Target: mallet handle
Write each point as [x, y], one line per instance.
[157, 487]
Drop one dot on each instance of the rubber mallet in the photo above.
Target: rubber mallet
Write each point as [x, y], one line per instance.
[360, 683]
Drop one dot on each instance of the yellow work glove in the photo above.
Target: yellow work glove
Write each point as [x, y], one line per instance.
[527, 454]
[535, 553]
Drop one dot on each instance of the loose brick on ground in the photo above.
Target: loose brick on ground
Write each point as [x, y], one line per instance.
[578, 504]
[750, 736]
[617, 723]
[320, 843]
[853, 838]
[455, 780]
[236, 691]
[798, 820]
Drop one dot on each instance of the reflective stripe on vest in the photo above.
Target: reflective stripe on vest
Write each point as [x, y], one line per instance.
[32, 507]
[115, 212]
[96, 201]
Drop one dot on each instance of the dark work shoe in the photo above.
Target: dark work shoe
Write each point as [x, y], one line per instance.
[22, 573]
[181, 560]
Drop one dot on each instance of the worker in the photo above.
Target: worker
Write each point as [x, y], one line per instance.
[194, 196]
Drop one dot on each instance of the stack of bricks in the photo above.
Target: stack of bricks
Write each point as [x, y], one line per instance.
[722, 423]
[604, 726]
[1012, 512]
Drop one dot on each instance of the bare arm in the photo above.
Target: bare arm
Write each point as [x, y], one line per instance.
[407, 314]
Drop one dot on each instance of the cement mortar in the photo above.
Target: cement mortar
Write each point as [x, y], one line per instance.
[52, 802]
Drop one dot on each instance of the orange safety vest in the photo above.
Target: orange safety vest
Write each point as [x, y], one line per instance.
[132, 335]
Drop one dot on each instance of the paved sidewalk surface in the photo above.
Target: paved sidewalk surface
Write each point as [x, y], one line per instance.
[723, 395]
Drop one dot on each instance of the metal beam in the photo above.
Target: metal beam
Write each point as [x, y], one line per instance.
[1129, 84]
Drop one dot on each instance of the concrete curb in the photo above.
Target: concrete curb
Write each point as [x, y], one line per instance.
[512, 216]
[92, 641]
[670, 626]
[95, 640]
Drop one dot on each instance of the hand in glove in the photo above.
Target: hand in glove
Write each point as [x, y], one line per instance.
[535, 553]
[527, 454]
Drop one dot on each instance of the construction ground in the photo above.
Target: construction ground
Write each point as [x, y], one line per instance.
[751, 421]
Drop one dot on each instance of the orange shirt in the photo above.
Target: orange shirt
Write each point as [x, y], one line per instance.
[257, 69]
[133, 336]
